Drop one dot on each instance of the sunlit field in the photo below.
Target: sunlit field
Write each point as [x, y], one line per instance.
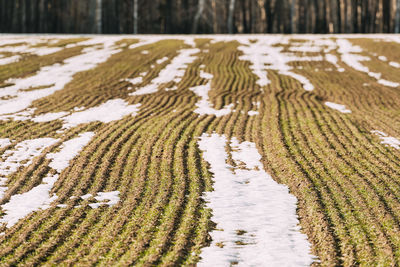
[209, 150]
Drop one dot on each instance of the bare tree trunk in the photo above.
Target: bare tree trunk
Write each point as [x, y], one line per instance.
[199, 13]
[263, 18]
[230, 15]
[292, 14]
[397, 26]
[135, 16]
[215, 15]
[98, 16]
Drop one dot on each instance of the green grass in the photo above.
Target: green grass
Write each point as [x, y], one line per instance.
[346, 182]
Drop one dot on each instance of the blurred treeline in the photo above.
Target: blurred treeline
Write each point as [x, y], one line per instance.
[199, 16]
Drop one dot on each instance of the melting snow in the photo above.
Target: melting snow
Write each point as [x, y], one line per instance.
[253, 113]
[387, 140]
[86, 196]
[256, 217]
[206, 75]
[4, 142]
[383, 58]
[23, 153]
[334, 61]
[388, 83]
[69, 149]
[136, 80]
[60, 74]
[204, 106]
[40, 51]
[49, 116]
[20, 205]
[172, 72]
[394, 64]
[263, 55]
[20, 156]
[8, 60]
[341, 108]
[161, 60]
[348, 56]
[112, 110]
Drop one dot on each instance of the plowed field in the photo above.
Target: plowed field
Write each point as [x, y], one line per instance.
[249, 150]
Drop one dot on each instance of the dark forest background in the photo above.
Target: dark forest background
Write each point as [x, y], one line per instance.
[199, 16]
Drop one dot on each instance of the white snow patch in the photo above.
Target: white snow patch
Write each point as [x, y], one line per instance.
[263, 55]
[20, 205]
[347, 50]
[306, 49]
[55, 76]
[382, 58]
[24, 151]
[145, 52]
[19, 116]
[69, 149]
[253, 113]
[8, 60]
[161, 60]
[20, 156]
[111, 110]
[341, 108]
[172, 72]
[40, 51]
[388, 83]
[256, 217]
[78, 108]
[135, 81]
[204, 106]
[387, 140]
[394, 64]
[86, 196]
[206, 75]
[4, 142]
[334, 61]
[49, 116]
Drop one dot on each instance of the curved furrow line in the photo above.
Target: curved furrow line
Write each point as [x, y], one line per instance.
[127, 153]
[337, 201]
[25, 180]
[326, 200]
[344, 184]
[359, 99]
[24, 130]
[93, 215]
[172, 156]
[368, 160]
[153, 219]
[188, 236]
[145, 206]
[102, 80]
[63, 251]
[373, 147]
[339, 165]
[19, 231]
[29, 65]
[107, 136]
[144, 174]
